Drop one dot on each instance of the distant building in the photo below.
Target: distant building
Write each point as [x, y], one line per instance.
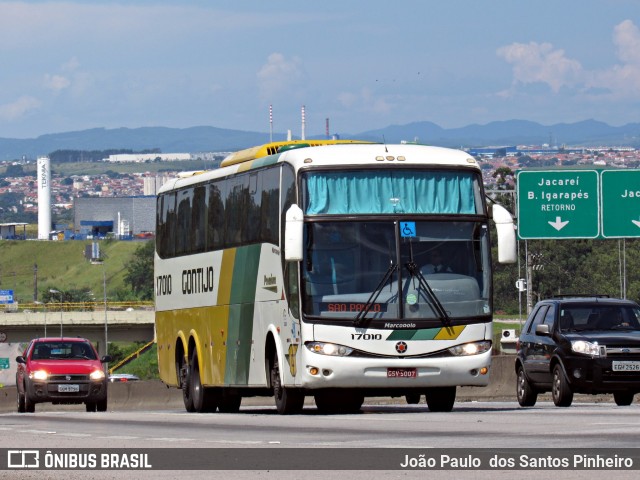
[119, 216]
[148, 157]
[151, 185]
[491, 152]
[8, 231]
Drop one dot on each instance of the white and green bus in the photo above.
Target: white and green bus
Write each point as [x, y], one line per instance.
[303, 269]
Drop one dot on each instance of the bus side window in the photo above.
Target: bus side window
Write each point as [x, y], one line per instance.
[215, 223]
[199, 219]
[184, 232]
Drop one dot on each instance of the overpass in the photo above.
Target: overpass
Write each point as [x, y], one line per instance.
[119, 325]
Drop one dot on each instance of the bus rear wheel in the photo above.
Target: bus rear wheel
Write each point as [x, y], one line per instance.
[204, 399]
[185, 382]
[441, 399]
[288, 400]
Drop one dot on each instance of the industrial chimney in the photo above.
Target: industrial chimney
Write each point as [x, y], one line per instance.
[44, 198]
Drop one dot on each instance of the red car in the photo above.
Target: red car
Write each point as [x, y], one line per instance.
[61, 370]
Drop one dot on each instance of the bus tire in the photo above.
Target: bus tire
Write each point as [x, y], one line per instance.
[412, 398]
[441, 399]
[339, 401]
[198, 394]
[289, 401]
[185, 382]
[229, 402]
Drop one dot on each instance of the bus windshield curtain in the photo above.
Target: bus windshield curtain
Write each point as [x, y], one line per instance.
[384, 192]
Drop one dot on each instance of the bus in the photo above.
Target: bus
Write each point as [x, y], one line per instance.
[301, 269]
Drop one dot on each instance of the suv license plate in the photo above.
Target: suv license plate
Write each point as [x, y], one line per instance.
[68, 388]
[618, 366]
[401, 372]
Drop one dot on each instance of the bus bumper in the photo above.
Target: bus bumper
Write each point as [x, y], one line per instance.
[323, 371]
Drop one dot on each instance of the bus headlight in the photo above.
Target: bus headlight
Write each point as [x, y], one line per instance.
[39, 375]
[473, 348]
[97, 375]
[329, 349]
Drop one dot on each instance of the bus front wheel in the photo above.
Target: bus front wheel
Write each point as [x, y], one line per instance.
[441, 399]
[288, 401]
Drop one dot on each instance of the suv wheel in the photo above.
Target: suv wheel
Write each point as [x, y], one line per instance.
[527, 396]
[561, 390]
[623, 398]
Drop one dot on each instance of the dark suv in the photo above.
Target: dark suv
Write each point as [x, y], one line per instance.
[579, 344]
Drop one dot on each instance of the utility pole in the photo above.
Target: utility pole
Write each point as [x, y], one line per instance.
[35, 282]
[529, 281]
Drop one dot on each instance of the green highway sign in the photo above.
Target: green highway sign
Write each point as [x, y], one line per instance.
[620, 203]
[558, 204]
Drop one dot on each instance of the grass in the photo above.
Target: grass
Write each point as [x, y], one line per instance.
[145, 367]
[62, 266]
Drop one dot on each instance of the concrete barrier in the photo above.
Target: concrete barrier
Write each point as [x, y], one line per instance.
[155, 395]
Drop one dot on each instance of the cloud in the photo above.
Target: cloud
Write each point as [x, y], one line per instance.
[56, 82]
[365, 100]
[20, 108]
[626, 38]
[279, 76]
[71, 65]
[540, 62]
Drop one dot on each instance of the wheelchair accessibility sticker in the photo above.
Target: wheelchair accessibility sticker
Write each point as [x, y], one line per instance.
[407, 229]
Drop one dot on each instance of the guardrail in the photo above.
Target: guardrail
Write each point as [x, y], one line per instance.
[133, 356]
[78, 306]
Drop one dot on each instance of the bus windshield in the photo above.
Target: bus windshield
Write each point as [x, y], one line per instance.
[387, 191]
[432, 271]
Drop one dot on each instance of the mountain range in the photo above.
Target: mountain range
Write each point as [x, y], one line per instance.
[588, 133]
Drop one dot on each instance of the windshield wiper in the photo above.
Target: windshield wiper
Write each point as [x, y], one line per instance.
[360, 318]
[431, 297]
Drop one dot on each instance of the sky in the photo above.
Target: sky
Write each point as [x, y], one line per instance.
[74, 65]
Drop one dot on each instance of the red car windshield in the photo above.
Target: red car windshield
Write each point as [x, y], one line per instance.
[62, 351]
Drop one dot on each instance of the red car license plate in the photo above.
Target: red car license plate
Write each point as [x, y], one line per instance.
[68, 388]
[401, 372]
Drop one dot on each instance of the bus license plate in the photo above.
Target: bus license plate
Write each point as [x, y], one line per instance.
[618, 366]
[68, 388]
[401, 372]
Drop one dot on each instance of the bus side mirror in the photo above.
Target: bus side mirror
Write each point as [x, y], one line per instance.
[506, 234]
[293, 234]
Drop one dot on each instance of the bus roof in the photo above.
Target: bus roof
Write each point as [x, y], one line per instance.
[345, 153]
[277, 147]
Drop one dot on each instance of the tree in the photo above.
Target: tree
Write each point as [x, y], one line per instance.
[140, 271]
[14, 171]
